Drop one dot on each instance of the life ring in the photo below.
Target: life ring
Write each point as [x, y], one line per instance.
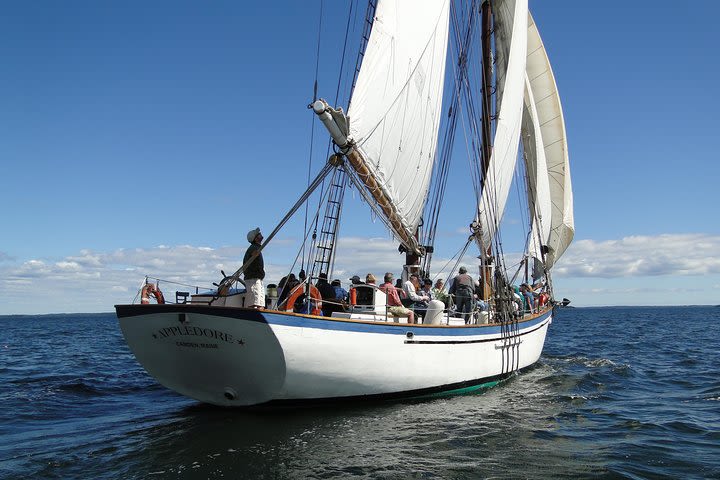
[300, 290]
[150, 289]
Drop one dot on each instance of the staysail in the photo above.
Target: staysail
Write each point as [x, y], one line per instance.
[552, 127]
[511, 47]
[539, 202]
[396, 106]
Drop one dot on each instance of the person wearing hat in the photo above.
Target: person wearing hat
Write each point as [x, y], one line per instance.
[254, 271]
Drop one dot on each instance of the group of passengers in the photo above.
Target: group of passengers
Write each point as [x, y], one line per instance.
[408, 299]
[404, 299]
[530, 298]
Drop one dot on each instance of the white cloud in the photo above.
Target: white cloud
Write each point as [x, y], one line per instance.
[67, 266]
[642, 256]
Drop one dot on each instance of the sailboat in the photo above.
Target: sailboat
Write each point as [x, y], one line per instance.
[424, 67]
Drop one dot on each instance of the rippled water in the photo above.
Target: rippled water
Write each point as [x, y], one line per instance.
[618, 393]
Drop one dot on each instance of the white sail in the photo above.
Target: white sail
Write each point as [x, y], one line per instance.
[396, 106]
[511, 48]
[539, 202]
[552, 126]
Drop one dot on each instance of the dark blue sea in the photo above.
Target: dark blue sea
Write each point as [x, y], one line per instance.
[618, 393]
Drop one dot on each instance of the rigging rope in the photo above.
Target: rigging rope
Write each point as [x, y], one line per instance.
[312, 128]
[344, 51]
[229, 280]
[462, 45]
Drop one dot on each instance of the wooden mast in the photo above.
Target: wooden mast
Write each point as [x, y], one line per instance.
[486, 33]
[487, 91]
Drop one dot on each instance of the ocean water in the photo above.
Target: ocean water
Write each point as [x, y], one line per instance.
[618, 393]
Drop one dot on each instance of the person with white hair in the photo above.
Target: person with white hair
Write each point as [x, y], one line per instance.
[254, 271]
[395, 306]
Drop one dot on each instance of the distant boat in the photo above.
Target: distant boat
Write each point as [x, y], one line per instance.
[499, 84]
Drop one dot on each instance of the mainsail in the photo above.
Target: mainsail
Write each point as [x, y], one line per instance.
[552, 127]
[396, 105]
[511, 47]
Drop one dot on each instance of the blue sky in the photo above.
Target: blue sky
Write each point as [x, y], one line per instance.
[148, 137]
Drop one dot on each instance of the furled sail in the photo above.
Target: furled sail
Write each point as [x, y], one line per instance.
[396, 106]
[511, 48]
[552, 127]
[539, 202]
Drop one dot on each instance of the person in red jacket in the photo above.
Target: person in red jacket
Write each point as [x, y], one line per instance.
[396, 307]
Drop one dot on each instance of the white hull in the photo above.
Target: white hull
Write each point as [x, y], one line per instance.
[234, 356]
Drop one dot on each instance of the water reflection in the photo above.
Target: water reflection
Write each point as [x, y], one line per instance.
[480, 435]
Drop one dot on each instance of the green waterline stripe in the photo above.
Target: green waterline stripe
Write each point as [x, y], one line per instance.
[461, 391]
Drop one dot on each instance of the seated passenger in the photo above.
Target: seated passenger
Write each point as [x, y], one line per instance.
[416, 295]
[543, 299]
[396, 308]
[286, 285]
[327, 292]
[517, 299]
[427, 289]
[414, 292]
[340, 293]
[399, 288]
[439, 293]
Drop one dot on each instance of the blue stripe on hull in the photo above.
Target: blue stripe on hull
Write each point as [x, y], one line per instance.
[339, 324]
